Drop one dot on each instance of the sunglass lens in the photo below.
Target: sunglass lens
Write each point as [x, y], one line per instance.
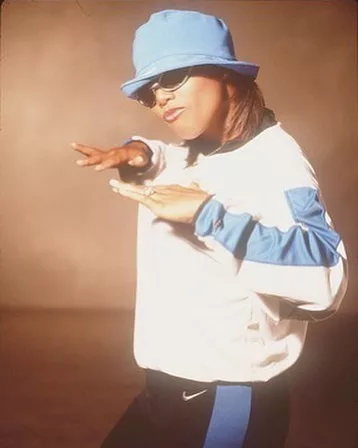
[146, 96]
[170, 80]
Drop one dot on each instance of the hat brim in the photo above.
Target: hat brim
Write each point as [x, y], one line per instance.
[130, 87]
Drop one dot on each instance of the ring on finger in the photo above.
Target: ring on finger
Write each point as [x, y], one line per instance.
[148, 191]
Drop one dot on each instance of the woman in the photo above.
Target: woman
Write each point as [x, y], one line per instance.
[236, 252]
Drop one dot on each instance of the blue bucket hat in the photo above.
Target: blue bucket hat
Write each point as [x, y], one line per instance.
[173, 39]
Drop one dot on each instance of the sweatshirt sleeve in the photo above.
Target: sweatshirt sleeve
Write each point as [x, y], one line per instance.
[298, 258]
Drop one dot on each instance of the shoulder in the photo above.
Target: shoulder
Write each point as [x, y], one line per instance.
[282, 158]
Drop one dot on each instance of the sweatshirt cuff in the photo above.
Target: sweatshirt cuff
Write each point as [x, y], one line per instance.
[210, 218]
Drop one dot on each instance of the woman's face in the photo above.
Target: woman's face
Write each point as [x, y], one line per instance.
[196, 109]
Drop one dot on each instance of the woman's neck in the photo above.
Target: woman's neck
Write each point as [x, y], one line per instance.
[206, 146]
[202, 145]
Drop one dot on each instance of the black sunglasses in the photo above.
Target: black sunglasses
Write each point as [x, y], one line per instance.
[167, 81]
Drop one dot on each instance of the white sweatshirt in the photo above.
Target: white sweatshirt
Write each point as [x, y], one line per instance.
[229, 298]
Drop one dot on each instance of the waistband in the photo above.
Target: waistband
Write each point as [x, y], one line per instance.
[156, 379]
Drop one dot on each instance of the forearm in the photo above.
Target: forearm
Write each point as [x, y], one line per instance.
[305, 264]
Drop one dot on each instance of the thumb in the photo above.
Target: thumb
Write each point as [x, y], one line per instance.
[137, 161]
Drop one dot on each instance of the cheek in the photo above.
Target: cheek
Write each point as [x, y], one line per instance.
[206, 106]
[202, 112]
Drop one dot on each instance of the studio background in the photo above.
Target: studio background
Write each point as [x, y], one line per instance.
[68, 244]
[66, 240]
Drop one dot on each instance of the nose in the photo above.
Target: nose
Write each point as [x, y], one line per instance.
[162, 96]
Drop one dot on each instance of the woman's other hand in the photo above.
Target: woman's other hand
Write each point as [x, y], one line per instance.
[134, 153]
[169, 202]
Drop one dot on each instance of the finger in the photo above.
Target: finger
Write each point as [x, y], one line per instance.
[116, 157]
[134, 195]
[110, 162]
[123, 186]
[176, 187]
[167, 188]
[86, 150]
[94, 160]
[115, 183]
[132, 191]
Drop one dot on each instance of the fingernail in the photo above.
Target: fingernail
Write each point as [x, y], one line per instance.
[98, 167]
[80, 162]
[114, 183]
[74, 144]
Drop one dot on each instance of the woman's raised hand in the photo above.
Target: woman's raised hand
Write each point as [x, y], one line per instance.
[169, 202]
[134, 153]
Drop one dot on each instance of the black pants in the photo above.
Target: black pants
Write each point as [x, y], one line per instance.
[177, 413]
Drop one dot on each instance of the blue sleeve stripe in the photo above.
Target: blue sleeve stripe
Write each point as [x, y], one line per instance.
[314, 245]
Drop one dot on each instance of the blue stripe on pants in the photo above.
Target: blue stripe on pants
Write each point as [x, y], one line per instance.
[230, 417]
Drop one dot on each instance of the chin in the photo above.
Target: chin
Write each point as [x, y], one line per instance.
[187, 133]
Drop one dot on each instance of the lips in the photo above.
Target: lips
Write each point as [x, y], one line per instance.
[172, 114]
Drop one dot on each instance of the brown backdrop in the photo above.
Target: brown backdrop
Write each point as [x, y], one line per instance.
[66, 240]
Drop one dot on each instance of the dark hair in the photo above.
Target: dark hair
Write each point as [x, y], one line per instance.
[246, 108]
[246, 114]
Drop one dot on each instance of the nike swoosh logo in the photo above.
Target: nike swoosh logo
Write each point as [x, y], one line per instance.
[190, 397]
